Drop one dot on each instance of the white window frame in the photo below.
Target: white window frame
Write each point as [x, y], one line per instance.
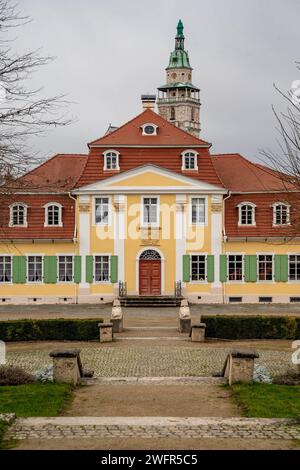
[143, 126]
[198, 224]
[60, 207]
[230, 281]
[273, 268]
[105, 155]
[11, 218]
[27, 268]
[5, 255]
[104, 224]
[292, 281]
[57, 268]
[184, 155]
[280, 204]
[198, 254]
[253, 207]
[94, 268]
[151, 224]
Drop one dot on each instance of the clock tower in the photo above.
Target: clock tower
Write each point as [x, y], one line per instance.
[179, 100]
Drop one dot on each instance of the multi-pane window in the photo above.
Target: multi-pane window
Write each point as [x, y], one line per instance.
[150, 210]
[235, 267]
[198, 210]
[35, 268]
[53, 215]
[65, 268]
[111, 161]
[294, 267]
[189, 161]
[198, 268]
[246, 214]
[5, 268]
[101, 210]
[281, 214]
[265, 267]
[102, 268]
[18, 214]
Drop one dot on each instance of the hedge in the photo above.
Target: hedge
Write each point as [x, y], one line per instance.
[218, 326]
[252, 327]
[50, 330]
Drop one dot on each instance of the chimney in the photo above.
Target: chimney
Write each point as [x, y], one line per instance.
[148, 101]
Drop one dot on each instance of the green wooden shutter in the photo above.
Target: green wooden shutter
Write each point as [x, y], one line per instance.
[278, 268]
[210, 260]
[89, 269]
[223, 268]
[114, 269]
[19, 269]
[186, 268]
[77, 269]
[284, 268]
[250, 268]
[50, 269]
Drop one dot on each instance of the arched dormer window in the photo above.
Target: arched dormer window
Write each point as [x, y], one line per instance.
[53, 215]
[18, 215]
[189, 160]
[281, 213]
[246, 213]
[149, 129]
[111, 160]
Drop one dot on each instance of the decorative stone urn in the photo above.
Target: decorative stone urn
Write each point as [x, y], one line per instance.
[184, 317]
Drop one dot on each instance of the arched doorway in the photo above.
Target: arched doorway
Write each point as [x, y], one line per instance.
[150, 273]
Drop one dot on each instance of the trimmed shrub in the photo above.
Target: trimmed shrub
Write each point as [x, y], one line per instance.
[50, 330]
[11, 375]
[291, 377]
[251, 327]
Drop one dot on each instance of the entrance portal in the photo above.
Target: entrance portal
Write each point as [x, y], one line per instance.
[150, 273]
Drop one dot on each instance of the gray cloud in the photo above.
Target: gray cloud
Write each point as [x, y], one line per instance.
[109, 52]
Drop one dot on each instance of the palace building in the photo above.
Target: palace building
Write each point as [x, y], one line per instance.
[150, 212]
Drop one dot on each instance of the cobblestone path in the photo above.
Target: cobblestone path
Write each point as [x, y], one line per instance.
[152, 427]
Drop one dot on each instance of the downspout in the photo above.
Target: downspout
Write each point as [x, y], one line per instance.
[224, 241]
[75, 237]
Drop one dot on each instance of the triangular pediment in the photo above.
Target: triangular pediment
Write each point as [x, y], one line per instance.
[149, 178]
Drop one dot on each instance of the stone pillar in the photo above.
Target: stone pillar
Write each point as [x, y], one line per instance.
[117, 317]
[66, 366]
[239, 366]
[184, 317]
[105, 332]
[198, 333]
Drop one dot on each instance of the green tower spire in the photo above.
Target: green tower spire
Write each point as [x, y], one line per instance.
[179, 57]
[179, 28]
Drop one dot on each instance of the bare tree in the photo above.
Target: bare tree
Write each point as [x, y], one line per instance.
[24, 112]
[286, 161]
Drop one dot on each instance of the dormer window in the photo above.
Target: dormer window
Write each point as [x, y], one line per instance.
[281, 213]
[189, 160]
[53, 215]
[246, 213]
[149, 129]
[111, 160]
[18, 215]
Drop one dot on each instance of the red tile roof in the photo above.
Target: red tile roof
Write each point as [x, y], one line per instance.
[130, 133]
[240, 175]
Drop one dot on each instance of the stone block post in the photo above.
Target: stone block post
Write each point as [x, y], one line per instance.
[105, 332]
[239, 366]
[198, 333]
[184, 317]
[66, 366]
[117, 317]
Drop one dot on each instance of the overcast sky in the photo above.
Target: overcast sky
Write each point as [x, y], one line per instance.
[109, 52]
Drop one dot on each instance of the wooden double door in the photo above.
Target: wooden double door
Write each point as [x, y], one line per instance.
[150, 277]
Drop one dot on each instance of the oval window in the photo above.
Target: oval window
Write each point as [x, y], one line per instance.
[149, 130]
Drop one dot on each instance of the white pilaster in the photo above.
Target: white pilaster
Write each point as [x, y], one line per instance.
[119, 233]
[216, 236]
[180, 233]
[84, 236]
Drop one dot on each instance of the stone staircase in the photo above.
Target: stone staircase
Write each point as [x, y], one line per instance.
[150, 301]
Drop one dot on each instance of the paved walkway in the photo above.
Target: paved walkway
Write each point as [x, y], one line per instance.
[152, 427]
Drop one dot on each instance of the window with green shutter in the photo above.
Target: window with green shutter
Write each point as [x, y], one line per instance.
[281, 268]
[50, 269]
[210, 260]
[186, 268]
[114, 269]
[19, 269]
[250, 268]
[89, 274]
[77, 269]
[223, 268]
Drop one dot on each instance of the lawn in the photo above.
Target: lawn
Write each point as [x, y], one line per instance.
[267, 400]
[34, 399]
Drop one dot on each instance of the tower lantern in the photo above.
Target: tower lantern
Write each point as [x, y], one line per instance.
[179, 100]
